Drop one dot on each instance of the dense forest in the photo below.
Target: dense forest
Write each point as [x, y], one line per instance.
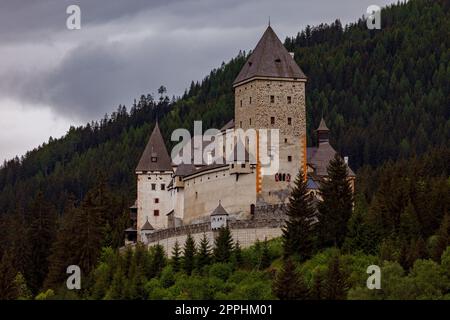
[385, 95]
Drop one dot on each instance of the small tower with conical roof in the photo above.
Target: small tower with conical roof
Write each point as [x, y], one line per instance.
[154, 173]
[270, 94]
[322, 132]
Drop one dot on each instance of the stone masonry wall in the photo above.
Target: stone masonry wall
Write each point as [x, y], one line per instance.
[265, 224]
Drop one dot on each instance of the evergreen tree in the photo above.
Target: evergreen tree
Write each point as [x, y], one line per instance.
[443, 239]
[335, 283]
[7, 276]
[21, 288]
[63, 251]
[317, 290]
[289, 285]
[336, 208]
[189, 252]
[204, 253]
[223, 246]
[265, 256]
[41, 236]
[176, 257]
[238, 254]
[158, 261]
[298, 233]
[90, 221]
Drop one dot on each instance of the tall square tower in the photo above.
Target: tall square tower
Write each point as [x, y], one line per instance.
[270, 94]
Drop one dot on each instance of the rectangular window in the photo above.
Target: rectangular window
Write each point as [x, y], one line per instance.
[289, 100]
[289, 121]
[240, 124]
[272, 120]
[241, 103]
[250, 100]
[289, 158]
[153, 186]
[156, 213]
[272, 99]
[163, 186]
[242, 165]
[250, 120]
[156, 200]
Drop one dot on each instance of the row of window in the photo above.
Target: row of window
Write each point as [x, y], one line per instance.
[163, 186]
[272, 100]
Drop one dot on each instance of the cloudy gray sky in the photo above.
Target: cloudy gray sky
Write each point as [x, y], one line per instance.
[52, 77]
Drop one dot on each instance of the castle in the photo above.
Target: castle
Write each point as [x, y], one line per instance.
[176, 199]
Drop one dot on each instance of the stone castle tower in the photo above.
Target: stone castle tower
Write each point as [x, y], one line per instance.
[270, 94]
[154, 173]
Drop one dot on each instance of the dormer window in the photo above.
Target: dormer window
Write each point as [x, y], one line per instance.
[154, 159]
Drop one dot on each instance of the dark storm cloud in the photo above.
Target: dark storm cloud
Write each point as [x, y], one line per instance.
[126, 48]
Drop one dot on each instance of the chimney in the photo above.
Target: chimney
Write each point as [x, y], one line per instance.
[292, 54]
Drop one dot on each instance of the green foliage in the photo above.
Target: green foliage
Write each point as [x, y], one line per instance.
[336, 207]
[176, 258]
[298, 233]
[204, 253]
[289, 285]
[336, 282]
[189, 254]
[223, 246]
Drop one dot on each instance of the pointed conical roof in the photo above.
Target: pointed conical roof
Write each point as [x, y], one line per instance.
[147, 226]
[155, 156]
[322, 126]
[270, 59]
[219, 211]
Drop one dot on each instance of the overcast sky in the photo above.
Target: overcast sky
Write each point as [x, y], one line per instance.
[52, 77]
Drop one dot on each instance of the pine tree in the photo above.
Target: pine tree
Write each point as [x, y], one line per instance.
[176, 257]
[40, 236]
[90, 221]
[289, 285]
[265, 256]
[7, 276]
[158, 261]
[189, 252]
[204, 253]
[238, 254]
[443, 239]
[21, 288]
[317, 290]
[63, 251]
[298, 233]
[223, 246]
[336, 208]
[335, 283]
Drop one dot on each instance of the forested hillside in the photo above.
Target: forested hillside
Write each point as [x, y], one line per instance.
[385, 95]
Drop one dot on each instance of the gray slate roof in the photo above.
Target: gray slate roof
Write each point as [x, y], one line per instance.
[320, 157]
[184, 170]
[147, 226]
[270, 59]
[155, 149]
[322, 126]
[219, 211]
